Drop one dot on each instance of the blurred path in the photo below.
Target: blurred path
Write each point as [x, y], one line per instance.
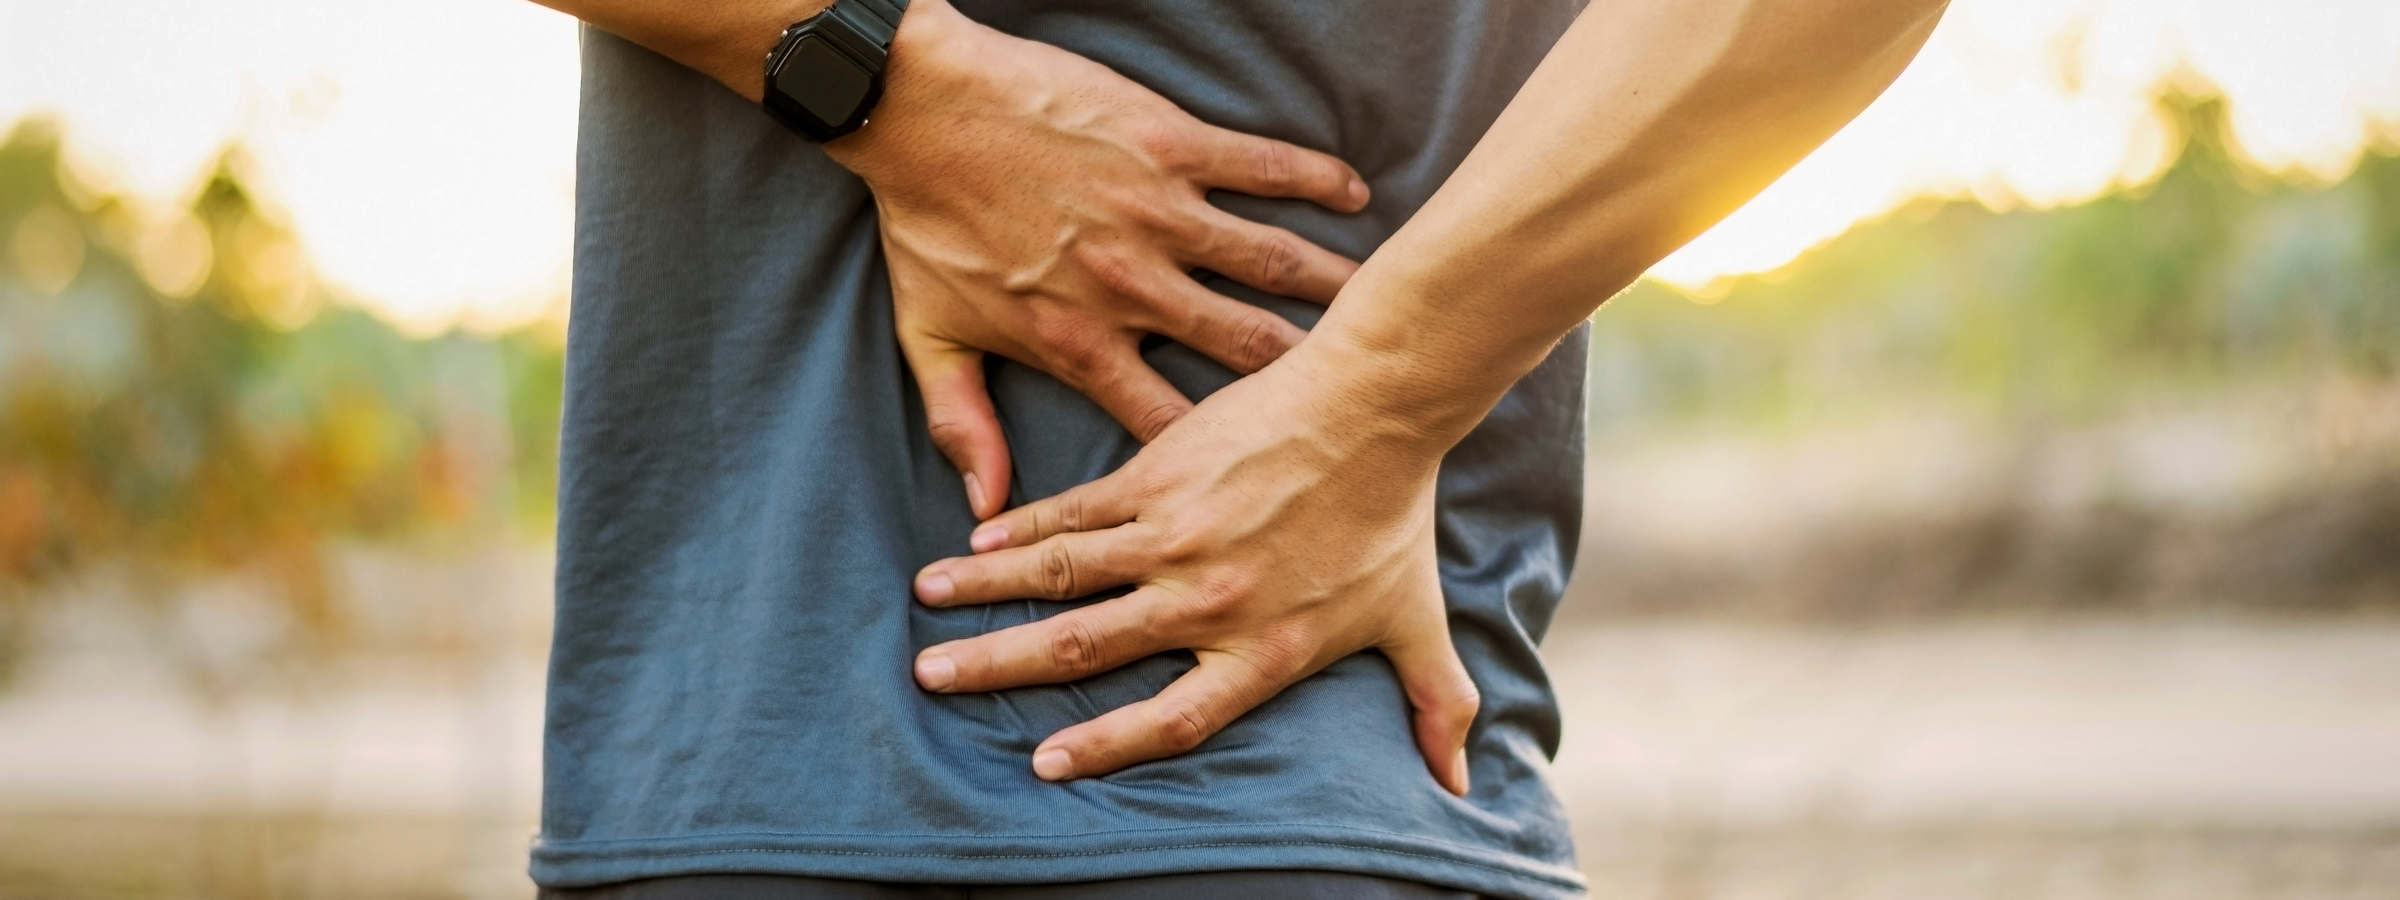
[2204, 759]
[2194, 722]
[2028, 758]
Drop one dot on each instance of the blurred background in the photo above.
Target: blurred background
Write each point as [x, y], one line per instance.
[2007, 504]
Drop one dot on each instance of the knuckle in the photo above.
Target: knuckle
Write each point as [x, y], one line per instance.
[1280, 654]
[1113, 272]
[1151, 484]
[1176, 545]
[1469, 698]
[1209, 609]
[1275, 165]
[1458, 702]
[949, 426]
[1159, 140]
[1155, 418]
[1074, 347]
[1462, 710]
[1181, 726]
[1214, 601]
[1187, 224]
[1057, 331]
[1277, 263]
[1260, 342]
[1147, 217]
[1071, 513]
[1087, 362]
[1058, 572]
[1074, 649]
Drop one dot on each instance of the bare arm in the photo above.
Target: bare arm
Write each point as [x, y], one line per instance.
[726, 40]
[1650, 121]
[1287, 522]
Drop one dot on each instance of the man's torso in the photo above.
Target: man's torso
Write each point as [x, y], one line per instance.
[746, 487]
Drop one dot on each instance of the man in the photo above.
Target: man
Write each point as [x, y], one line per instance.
[748, 499]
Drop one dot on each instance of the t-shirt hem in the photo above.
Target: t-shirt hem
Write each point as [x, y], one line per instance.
[1022, 859]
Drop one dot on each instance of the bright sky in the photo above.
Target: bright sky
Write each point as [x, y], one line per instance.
[425, 150]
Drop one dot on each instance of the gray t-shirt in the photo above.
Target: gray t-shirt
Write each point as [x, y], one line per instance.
[746, 487]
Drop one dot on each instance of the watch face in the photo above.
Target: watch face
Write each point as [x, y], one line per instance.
[824, 82]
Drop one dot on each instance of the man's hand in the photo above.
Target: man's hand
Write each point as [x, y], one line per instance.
[1281, 526]
[1037, 205]
[1287, 521]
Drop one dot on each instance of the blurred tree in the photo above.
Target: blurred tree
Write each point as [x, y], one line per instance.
[182, 399]
[2212, 275]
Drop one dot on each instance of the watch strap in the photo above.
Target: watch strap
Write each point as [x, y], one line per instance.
[875, 20]
[886, 10]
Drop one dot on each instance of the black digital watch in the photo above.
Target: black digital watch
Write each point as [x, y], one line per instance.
[826, 73]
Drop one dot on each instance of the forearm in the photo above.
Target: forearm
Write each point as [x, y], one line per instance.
[726, 40]
[1648, 122]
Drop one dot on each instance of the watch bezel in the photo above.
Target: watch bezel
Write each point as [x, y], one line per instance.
[845, 39]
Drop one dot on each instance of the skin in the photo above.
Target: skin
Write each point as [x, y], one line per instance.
[1285, 522]
[1037, 205]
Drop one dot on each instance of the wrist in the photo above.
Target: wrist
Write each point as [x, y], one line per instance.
[723, 40]
[933, 39]
[1395, 362]
[733, 53]
[1376, 396]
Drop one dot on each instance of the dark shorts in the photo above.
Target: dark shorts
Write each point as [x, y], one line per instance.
[1284, 885]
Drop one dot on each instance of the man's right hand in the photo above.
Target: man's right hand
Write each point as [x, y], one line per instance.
[1037, 205]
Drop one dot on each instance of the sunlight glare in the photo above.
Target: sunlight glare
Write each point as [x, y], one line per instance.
[425, 152]
[2040, 103]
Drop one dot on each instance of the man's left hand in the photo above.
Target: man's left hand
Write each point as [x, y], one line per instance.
[1279, 526]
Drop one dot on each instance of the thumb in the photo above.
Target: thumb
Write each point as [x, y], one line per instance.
[1442, 700]
[959, 415]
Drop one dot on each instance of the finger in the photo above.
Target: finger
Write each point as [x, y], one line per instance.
[1061, 567]
[1269, 258]
[1242, 337]
[1442, 700]
[1070, 646]
[1091, 506]
[959, 415]
[1270, 168]
[1194, 707]
[1125, 386]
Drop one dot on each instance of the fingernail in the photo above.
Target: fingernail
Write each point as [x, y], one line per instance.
[1358, 191]
[987, 538]
[936, 672]
[936, 588]
[975, 493]
[1052, 765]
[1458, 769]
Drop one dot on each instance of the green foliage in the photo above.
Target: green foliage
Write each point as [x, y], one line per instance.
[244, 426]
[2210, 277]
[186, 398]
